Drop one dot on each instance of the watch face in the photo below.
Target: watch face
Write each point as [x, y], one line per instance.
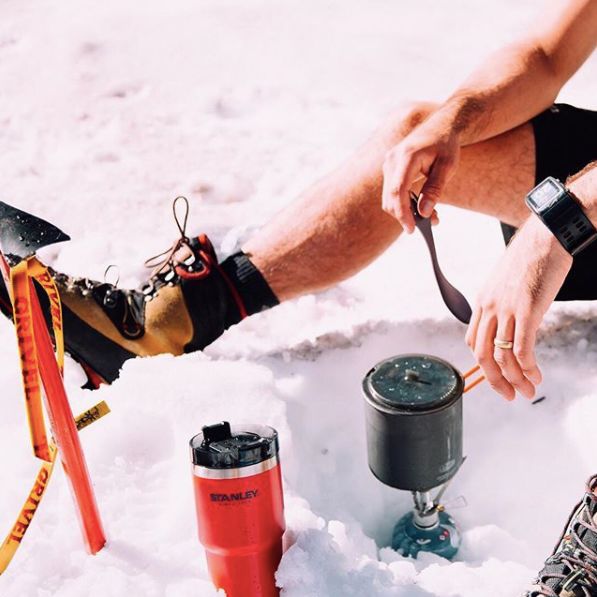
[544, 194]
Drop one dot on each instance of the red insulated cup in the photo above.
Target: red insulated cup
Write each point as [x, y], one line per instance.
[240, 507]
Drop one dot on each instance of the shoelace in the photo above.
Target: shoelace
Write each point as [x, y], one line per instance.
[586, 566]
[164, 261]
[163, 265]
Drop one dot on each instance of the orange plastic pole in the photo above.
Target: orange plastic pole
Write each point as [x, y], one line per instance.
[65, 433]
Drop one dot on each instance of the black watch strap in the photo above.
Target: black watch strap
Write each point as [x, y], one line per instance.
[564, 217]
[572, 227]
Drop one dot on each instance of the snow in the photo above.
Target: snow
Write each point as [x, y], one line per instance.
[107, 112]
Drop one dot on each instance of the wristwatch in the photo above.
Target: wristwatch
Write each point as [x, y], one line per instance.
[562, 213]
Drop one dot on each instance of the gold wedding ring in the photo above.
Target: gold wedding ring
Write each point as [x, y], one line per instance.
[505, 344]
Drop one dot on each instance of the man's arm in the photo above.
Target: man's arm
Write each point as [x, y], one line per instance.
[521, 80]
[507, 89]
[519, 292]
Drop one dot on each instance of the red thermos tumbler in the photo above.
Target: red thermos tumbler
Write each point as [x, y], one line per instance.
[240, 508]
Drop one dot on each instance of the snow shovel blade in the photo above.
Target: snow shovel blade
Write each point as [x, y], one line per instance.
[22, 234]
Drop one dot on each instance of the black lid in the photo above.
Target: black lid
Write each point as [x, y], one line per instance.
[222, 446]
[413, 382]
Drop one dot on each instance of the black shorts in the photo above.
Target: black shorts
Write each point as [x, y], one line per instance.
[566, 141]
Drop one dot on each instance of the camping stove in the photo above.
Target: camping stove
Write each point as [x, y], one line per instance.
[414, 443]
[428, 527]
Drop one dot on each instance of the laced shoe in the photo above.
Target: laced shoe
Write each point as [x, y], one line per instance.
[187, 302]
[571, 571]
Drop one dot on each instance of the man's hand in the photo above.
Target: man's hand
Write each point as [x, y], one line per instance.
[512, 305]
[429, 152]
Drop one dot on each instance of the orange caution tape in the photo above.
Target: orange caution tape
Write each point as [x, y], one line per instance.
[65, 432]
[13, 540]
[42, 364]
[40, 273]
[23, 320]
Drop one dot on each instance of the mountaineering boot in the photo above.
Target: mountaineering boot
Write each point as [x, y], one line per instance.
[571, 571]
[189, 300]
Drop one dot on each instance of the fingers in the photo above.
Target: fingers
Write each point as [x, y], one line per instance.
[507, 370]
[403, 167]
[506, 360]
[399, 175]
[511, 307]
[434, 186]
[471, 333]
[524, 351]
[484, 352]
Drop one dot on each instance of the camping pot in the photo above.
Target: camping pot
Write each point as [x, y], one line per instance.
[414, 421]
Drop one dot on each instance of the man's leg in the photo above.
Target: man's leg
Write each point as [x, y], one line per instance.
[331, 232]
[337, 227]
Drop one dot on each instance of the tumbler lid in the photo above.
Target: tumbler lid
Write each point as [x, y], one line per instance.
[413, 382]
[223, 446]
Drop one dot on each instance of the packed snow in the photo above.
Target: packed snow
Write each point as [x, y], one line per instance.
[107, 112]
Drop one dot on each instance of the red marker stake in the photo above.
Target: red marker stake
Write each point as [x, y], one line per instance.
[66, 434]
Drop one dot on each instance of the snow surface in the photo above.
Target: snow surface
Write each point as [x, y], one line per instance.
[109, 110]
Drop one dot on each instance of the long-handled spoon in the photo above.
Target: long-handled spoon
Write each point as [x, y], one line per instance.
[453, 298]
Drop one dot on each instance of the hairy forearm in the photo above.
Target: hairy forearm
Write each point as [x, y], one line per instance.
[507, 89]
[521, 80]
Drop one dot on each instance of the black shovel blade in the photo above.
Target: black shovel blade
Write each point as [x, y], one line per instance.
[22, 234]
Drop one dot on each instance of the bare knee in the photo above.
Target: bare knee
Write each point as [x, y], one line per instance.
[404, 119]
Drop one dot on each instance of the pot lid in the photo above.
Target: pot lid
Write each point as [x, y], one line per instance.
[413, 382]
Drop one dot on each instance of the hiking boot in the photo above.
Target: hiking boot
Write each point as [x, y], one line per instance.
[571, 571]
[187, 302]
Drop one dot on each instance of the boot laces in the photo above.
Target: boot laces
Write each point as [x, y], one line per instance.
[163, 267]
[164, 264]
[574, 555]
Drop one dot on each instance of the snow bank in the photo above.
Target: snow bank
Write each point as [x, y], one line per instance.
[110, 110]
